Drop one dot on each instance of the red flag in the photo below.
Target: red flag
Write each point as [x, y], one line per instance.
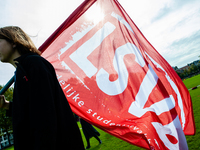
[115, 79]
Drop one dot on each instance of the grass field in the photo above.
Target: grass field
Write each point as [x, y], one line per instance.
[110, 142]
[193, 141]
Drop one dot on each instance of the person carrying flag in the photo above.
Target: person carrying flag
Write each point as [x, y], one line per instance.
[42, 117]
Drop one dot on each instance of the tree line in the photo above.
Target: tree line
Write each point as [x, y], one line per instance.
[5, 121]
[189, 72]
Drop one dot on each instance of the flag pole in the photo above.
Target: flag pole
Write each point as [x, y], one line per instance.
[8, 84]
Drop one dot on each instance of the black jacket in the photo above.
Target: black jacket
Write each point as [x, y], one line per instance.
[42, 117]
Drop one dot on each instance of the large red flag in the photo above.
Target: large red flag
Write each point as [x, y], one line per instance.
[115, 79]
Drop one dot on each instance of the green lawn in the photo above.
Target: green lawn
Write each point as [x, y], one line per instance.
[10, 148]
[193, 141]
[192, 82]
[110, 142]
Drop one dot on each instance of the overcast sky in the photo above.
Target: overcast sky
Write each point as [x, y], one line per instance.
[171, 26]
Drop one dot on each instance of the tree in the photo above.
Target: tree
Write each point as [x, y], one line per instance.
[181, 75]
[196, 69]
[186, 72]
[191, 69]
[6, 122]
[199, 58]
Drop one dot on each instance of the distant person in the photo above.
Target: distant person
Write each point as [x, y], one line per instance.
[42, 117]
[89, 132]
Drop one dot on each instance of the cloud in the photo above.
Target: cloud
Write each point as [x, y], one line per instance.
[184, 50]
[37, 17]
[170, 7]
[6, 72]
[193, 40]
[174, 30]
[162, 13]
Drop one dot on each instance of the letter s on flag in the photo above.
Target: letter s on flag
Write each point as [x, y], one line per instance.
[115, 79]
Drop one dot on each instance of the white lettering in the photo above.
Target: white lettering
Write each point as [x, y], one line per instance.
[71, 94]
[174, 129]
[58, 77]
[76, 97]
[62, 82]
[173, 85]
[89, 111]
[66, 86]
[81, 54]
[106, 121]
[80, 103]
[148, 83]
[118, 86]
[69, 90]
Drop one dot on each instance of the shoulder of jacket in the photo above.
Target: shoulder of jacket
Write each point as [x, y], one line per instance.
[33, 59]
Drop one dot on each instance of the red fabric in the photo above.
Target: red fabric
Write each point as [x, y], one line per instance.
[73, 17]
[115, 79]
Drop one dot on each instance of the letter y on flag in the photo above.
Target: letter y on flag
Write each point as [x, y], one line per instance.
[115, 79]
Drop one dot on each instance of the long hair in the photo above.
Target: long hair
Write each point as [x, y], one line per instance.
[17, 36]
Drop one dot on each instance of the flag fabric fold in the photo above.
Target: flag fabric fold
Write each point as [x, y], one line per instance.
[116, 80]
[73, 17]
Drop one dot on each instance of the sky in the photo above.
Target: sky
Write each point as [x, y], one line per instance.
[171, 26]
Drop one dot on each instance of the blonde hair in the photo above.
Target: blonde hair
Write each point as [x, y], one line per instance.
[17, 36]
